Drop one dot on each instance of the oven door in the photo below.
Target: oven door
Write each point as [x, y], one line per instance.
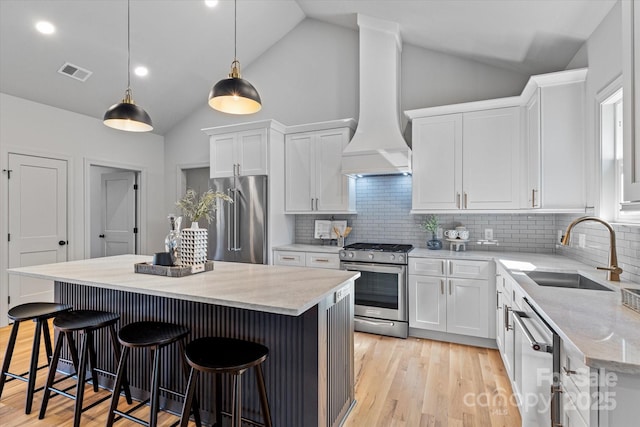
[380, 291]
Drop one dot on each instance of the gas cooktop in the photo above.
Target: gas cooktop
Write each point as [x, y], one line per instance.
[379, 247]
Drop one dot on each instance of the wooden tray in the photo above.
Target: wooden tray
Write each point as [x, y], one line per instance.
[161, 270]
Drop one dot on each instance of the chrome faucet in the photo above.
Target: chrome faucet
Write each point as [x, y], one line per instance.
[613, 270]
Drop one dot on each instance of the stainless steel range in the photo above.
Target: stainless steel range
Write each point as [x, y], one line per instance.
[381, 290]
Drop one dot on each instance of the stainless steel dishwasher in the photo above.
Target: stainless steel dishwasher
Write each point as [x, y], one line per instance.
[537, 349]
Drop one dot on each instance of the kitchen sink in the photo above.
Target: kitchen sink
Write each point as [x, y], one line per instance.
[565, 280]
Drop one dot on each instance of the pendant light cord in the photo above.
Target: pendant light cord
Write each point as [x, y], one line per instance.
[235, 30]
[128, 44]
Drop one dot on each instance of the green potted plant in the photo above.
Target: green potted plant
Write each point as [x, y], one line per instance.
[430, 225]
[196, 208]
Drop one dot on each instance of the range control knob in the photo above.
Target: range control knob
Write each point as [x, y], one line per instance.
[392, 257]
[350, 254]
[371, 256]
[343, 254]
[401, 258]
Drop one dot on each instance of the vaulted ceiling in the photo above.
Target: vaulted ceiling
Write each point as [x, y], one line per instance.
[188, 46]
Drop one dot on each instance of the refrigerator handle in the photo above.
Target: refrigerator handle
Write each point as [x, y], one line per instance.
[236, 219]
[229, 219]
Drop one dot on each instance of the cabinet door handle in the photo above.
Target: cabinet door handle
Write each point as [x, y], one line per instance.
[288, 258]
[442, 286]
[533, 198]
[466, 199]
[498, 300]
[451, 267]
[458, 200]
[450, 286]
[442, 264]
[312, 203]
[321, 260]
[569, 372]
[507, 326]
[316, 204]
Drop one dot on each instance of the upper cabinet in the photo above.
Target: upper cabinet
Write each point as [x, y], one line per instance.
[240, 149]
[554, 141]
[468, 160]
[314, 182]
[507, 154]
[631, 98]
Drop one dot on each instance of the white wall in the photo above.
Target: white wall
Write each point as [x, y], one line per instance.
[311, 75]
[31, 128]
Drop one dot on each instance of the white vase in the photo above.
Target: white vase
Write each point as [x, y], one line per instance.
[195, 225]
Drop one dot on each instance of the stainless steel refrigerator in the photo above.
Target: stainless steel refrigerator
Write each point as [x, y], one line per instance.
[239, 232]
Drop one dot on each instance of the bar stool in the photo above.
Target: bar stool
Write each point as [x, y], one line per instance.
[85, 322]
[39, 312]
[219, 356]
[155, 336]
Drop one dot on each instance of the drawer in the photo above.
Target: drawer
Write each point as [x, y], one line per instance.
[469, 269]
[571, 416]
[320, 260]
[292, 258]
[427, 266]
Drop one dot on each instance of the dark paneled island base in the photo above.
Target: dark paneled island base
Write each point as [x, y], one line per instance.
[309, 371]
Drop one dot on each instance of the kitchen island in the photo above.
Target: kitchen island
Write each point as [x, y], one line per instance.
[303, 315]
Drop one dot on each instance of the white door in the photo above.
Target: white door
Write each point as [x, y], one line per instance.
[222, 157]
[468, 307]
[331, 185]
[427, 303]
[118, 213]
[37, 223]
[491, 159]
[299, 170]
[437, 162]
[251, 152]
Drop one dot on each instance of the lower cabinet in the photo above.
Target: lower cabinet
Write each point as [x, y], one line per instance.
[307, 259]
[454, 298]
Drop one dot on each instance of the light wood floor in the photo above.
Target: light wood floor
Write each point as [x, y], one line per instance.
[409, 383]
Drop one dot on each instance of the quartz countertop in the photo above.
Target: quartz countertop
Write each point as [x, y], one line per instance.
[267, 288]
[295, 247]
[593, 322]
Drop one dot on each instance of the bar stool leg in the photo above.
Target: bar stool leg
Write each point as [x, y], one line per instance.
[47, 339]
[195, 407]
[117, 386]
[33, 368]
[82, 376]
[92, 360]
[116, 351]
[188, 398]
[218, 400]
[52, 373]
[73, 350]
[155, 384]
[264, 401]
[236, 398]
[7, 355]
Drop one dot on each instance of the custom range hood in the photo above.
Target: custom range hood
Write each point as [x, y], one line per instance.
[378, 148]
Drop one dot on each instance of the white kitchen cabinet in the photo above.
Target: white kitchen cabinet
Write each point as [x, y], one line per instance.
[307, 259]
[467, 160]
[441, 301]
[504, 321]
[313, 169]
[239, 153]
[554, 140]
[631, 98]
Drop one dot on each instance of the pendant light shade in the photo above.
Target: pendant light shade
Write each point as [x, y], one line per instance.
[126, 115]
[235, 95]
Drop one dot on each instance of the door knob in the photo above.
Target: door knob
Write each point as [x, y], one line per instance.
[101, 236]
[62, 242]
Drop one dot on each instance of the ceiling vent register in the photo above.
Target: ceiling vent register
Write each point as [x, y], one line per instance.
[75, 72]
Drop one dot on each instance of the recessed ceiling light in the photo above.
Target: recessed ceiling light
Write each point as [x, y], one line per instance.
[45, 27]
[211, 3]
[141, 71]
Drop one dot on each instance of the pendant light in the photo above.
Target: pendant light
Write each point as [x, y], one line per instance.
[126, 115]
[235, 95]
